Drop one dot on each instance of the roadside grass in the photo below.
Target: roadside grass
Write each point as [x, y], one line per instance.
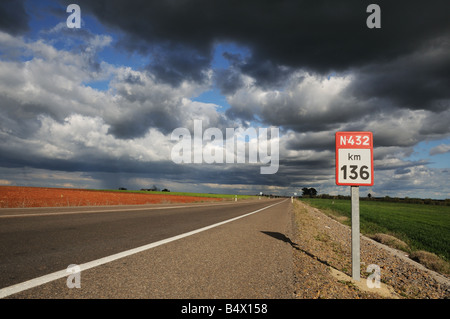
[209, 195]
[417, 229]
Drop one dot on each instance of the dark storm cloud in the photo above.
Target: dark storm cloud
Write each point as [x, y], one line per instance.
[312, 141]
[317, 35]
[266, 73]
[228, 80]
[21, 121]
[177, 64]
[418, 80]
[98, 165]
[13, 17]
[136, 124]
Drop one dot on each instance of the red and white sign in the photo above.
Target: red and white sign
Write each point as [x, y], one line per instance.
[354, 158]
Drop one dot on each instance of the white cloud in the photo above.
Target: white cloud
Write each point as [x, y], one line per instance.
[5, 182]
[305, 100]
[49, 89]
[82, 136]
[440, 149]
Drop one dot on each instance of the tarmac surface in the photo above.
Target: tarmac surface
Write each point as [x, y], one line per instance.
[243, 258]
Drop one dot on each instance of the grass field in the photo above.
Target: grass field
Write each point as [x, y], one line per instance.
[422, 227]
[226, 196]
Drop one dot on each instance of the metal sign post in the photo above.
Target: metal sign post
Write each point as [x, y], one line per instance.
[355, 233]
[354, 167]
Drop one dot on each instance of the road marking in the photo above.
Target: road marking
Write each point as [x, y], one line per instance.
[4, 292]
[107, 210]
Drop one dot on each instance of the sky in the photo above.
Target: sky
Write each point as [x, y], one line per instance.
[96, 106]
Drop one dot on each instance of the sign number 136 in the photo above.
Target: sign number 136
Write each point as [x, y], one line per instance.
[363, 172]
[354, 158]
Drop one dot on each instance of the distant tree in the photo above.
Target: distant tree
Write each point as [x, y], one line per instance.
[369, 195]
[305, 191]
[153, 189]
[309, 191]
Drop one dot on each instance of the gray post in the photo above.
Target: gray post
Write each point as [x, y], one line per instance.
[355, 233]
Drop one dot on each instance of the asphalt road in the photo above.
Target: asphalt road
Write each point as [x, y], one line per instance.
[249, 257]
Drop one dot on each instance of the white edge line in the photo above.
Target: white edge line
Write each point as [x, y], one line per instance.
[4, 292]
[107, 210]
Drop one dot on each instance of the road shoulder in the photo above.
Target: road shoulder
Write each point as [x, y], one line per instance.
[322, 261]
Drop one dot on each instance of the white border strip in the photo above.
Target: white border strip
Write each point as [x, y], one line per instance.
[108, 210]
[4, 292]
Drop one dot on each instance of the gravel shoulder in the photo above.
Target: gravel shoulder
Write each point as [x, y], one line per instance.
[322, 263]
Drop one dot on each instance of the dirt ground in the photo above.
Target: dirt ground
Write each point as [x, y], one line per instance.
[20, 197]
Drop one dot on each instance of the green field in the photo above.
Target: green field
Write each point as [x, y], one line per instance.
[422, 227]
[226, 196]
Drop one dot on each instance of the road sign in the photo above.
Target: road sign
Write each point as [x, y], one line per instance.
[354, 158]
[354, 167]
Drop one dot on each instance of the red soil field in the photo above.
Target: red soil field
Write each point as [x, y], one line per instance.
[16, 196]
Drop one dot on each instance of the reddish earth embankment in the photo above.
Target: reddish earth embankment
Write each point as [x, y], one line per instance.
[16, 196]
